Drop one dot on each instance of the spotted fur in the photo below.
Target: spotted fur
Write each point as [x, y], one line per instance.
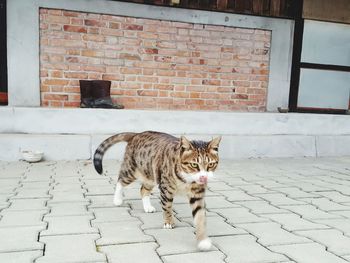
[177, 166]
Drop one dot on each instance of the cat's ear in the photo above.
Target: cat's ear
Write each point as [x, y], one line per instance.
[214, 144]
[185, 144]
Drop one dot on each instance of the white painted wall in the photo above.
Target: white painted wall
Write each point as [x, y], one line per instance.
[65, 134]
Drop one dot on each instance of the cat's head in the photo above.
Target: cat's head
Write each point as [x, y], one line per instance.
[198, 159]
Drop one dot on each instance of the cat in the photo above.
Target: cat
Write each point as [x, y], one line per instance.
[178, 166]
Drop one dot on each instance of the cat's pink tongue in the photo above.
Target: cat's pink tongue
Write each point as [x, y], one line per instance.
[203, 179]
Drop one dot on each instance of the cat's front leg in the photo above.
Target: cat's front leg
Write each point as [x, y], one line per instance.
[166, 198]
[198, 213]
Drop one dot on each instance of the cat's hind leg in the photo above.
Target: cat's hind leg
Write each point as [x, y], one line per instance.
[126, 177]
[146, 189]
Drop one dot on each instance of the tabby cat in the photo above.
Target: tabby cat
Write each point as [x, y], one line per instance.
[178, 166]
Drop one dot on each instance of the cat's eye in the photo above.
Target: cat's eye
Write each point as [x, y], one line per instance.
[211, 165]
[194, 165]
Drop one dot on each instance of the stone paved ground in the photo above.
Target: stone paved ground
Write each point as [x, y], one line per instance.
[275, 210]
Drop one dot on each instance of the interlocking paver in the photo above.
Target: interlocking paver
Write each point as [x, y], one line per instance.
[129, 253]
[279, 199]
[238, 195]
[101, 201]
[111, 214]
[68, 209]
[342, 224]
[174, 241]
[244, 248]
[334, 240]
[154, 220]
[292, 222]
[326, 205]
[262, 207]
[20, 238]
[239, 215]
[294, 192]
[310, 212]
[216, 226]
[27, 204]
[20, 257]
[310, 252]
[336, 196]
[270, 233]
[71, 248]
[203, 257]
[68, 225]
[121, 232]
[271, 210]
[22, 218]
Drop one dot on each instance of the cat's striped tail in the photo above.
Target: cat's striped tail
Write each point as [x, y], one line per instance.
[104, 146]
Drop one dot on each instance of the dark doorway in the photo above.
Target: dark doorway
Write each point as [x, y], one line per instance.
[3, 54]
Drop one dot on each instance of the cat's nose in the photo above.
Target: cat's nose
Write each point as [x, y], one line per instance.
[203, 179]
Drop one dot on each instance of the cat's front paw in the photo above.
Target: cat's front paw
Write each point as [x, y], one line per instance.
[149, 209]
[168, 226]
[117, 201]
[204, 244]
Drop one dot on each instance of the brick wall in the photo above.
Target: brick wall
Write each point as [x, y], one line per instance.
[152, 63]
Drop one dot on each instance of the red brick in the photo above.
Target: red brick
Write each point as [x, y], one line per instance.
[132, 27]
[78, 29]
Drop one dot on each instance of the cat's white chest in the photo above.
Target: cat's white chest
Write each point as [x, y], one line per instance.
[182, 188]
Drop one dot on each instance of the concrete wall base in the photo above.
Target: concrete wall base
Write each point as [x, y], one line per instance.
[69, 134]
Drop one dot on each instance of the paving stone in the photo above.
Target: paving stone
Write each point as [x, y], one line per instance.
[20, 257]
[336, 196]
[14, 239]
[68, 188]
[239, 215]
[22, 218]
[270, 184]
[184, 211]
[174, 241]
[154, 220]
[216, 226]
[203, 257]
[342, 213]
[68, 209]
[310, 252]
[68, 225]
[236, 196]
[334, 240]
[279, 199]
[31, 193]
[63, 197]
[121, 232]
[326, 205]
[137, 205]
[244, 248]
[309, 187]
[71, 248]
[270, 233]
[310, 212]
[262, 207]
[100, 190]
[255, 189]
[342, 224]
[128, 253]
[101, 201]
[292, 222]
[218, 186]
[218, 202]
[294, 192]
[111, 214]
[35, 185]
